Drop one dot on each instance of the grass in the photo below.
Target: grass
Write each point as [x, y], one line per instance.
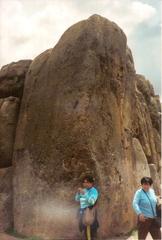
[134, 234]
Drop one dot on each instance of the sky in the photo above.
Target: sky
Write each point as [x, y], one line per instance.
[29, 27]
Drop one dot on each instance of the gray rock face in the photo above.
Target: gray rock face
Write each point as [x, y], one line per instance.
[146, 126]
[6, 199]
[8, 121]
[155, 178]
[142, 168]
[12, 78]
[83, 110]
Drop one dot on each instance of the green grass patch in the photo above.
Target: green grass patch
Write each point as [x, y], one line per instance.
[134, 234]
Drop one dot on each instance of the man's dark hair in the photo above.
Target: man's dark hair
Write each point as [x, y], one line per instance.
[147, 180]
[89, 179]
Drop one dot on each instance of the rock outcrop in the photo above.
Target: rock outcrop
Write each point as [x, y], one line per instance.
[12, 78]
[6, 199]
[83, 110]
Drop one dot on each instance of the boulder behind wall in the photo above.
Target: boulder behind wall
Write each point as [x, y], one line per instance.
[146, 119]
[12, 78]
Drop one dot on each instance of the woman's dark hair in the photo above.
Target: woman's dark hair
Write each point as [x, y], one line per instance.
[89, 179]
[147, 180]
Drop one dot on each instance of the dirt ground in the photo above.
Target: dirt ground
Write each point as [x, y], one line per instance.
[4, 236]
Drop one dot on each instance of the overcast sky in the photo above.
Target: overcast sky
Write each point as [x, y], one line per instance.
[28, 27]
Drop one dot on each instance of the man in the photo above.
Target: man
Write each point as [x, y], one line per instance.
[87, 196]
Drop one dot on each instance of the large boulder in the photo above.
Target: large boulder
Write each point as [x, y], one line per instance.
[146, 119]
[80, 113]
[150, 99]
[12, 78]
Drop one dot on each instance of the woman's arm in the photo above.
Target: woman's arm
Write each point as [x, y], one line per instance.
[77, 197]
[136, 203]
[92, 198]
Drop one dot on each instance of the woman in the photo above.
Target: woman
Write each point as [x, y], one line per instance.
[87, 196]
[144, 204]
